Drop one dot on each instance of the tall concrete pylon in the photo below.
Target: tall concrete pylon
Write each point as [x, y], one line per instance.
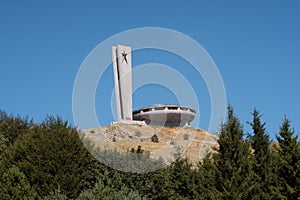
[123, 81]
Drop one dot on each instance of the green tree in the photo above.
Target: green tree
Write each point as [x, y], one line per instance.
[102, 192]
[259, 139]
[3, 145]
[160, 184]
[265, 164]
[56, 195]
[183, 179]
[206, 181]
[14, 185]
[233, 162]
[289, 155]
[13, 126]
[52, 156]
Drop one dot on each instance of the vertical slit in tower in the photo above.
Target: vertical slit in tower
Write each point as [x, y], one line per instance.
[120, 91]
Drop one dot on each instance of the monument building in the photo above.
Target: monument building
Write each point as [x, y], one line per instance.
[159, 114]
[123, 81]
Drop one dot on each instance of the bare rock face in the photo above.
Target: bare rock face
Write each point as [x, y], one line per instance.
[193, 143]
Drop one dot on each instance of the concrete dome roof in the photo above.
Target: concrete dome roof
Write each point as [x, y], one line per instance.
[165, 115]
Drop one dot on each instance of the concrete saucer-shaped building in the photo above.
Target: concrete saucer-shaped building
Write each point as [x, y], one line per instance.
[165, 115]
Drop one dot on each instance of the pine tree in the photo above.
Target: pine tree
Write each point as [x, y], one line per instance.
[206, 180]
[182, 177]
[265, 162]
[233, 162]
[289, 166]
[259, 139]
[161, 184]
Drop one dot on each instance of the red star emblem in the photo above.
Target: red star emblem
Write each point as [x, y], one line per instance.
[124, 57]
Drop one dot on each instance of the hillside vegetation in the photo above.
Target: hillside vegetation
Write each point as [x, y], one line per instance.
[50, 160]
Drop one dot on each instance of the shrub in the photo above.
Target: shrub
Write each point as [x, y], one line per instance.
[102, 191]
[137, 133]
[139, 149]
[56, 195]
[186, 137]
[14, 185]
[154, 138]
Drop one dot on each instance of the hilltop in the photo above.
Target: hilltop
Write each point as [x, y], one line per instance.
[193, 143]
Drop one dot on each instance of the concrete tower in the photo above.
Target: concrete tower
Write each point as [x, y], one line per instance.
[123, 81]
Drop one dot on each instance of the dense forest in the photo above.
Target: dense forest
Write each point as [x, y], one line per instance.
[48, 160]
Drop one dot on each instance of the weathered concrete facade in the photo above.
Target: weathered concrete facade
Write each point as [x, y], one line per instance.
[123, 81]
[165, 115]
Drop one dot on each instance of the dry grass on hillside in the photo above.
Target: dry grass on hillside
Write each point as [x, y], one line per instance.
[193, 143]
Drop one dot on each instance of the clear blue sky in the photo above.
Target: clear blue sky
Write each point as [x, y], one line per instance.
[255, 44]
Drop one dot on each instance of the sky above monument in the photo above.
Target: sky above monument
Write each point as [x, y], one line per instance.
[255, 45]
